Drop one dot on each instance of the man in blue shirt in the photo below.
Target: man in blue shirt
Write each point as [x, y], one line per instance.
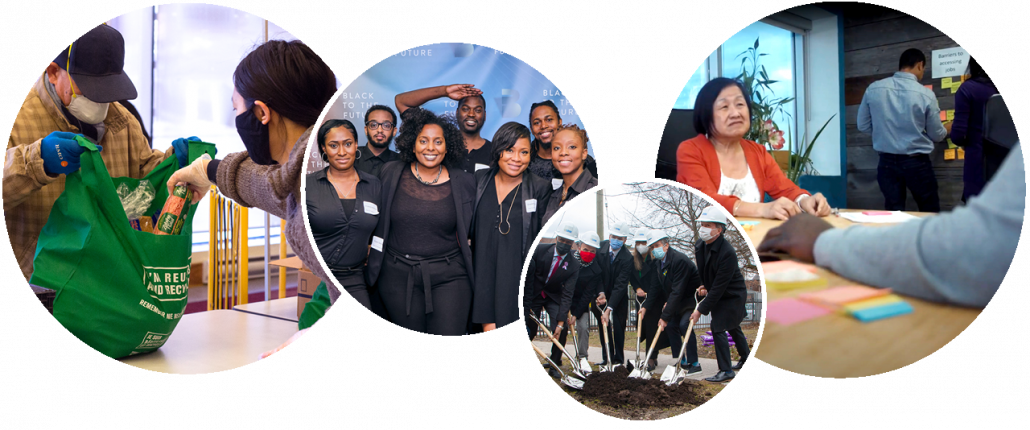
[904, 119]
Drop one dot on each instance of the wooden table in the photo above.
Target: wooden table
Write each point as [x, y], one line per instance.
[840, 346]
[284, 309]
[213, 341]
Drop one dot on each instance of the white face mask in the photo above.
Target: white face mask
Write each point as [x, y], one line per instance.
[706, 234]
[642, 249]
[88, 111]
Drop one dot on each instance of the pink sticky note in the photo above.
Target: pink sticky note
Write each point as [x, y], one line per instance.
[790, 311]
[839, 296]
[876, 212]
[784, 265]
[944, 116]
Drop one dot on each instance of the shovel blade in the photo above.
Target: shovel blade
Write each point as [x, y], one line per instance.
[669, 374]
[573, 383]
[584, 365]
[635, 373]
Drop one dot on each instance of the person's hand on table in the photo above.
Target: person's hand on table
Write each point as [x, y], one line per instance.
[295, 336]
[781, 209]
[195, 177]
[815, 205]
[795, 237]
[695, 316]
[182, 149]
[60, 153]
[489, 327]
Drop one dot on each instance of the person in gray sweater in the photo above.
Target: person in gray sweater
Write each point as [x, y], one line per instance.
[957, 258]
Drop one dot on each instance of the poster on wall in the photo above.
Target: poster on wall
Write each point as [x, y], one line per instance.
[949, 62]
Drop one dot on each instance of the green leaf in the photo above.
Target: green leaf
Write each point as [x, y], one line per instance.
[756, 43]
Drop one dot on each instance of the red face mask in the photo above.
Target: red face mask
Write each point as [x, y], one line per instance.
[587, 256]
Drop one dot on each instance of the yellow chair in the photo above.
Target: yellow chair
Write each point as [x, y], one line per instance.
[227, 253]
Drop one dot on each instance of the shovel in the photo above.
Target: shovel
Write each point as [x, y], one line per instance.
[584, 364]
[642, 372]
[610, 367]
[675, 374]
[566, 380]
[637, 363]
[575, 364]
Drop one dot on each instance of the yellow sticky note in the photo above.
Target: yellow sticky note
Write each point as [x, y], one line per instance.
[949, 154]
[951, 114]
[945, 82]
[872, 303]
[954, 87]
[961, 154]
[951, 145]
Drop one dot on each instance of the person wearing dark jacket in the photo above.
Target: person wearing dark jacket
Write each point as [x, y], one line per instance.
[643, 279]
[723, 288]
[550, 284]
[967, 130]
[420, 254]
[504, 224]
[678, 278]
[568, 153]
[616, 262]
[590, 282]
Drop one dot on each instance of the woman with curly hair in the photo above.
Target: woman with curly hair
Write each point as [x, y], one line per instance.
[569, 156]
[420, 253]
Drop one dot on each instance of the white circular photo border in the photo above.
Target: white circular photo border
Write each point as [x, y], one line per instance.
[321, 119]
[581, 406]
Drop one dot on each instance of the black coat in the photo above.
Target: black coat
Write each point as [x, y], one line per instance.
[720, 274]
[645, 279]
[463, 189]
[677, 281]
[591, 281]
[533, 188]
[562, 284]
[617, 274]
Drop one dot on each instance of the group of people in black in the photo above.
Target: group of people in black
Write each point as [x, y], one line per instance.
[578, 274]
[433, 236]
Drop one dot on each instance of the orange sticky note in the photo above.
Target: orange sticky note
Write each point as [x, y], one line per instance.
[944, 116]
[961, 154]
[784, 265]
[840, 296]
[949, 154]
[929, 87]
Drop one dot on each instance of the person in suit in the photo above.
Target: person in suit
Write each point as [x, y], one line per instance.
[616, 262]
[723, 288]
[420, 254]
[590, 282]
[678, 278]
[643, 279]
[550, 284]
[505, 223]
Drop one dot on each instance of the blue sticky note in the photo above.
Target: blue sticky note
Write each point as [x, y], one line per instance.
[881, 312]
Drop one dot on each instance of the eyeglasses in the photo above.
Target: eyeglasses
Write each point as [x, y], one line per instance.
[386, 125]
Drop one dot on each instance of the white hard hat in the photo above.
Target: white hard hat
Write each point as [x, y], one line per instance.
[590, 238]
[620, 229]
[568, 231]
[641, 235]
[654, 236]
[713, 214]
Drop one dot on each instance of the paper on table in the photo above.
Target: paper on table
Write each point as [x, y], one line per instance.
[785, 265]
[840, 296]
[792, 279]
[881, 312]
[872, 303]
[790, 311]
[894, 217]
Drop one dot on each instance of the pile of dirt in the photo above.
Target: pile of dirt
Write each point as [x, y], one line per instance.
[616, 389]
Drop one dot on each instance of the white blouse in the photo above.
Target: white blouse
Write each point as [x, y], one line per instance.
[745, 189]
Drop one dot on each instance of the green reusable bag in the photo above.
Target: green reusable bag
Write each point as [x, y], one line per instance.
[314, 309]
[119, 290]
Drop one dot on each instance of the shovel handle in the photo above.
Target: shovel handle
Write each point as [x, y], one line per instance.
[690, 328]
[654, 342]
[555, 341]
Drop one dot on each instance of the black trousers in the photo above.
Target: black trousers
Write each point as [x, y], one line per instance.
[896, 172]
[441, 308]
[675, 329]
[651, 327]
[616, 331]
[551, 306]
[722, 347]
[354, 283]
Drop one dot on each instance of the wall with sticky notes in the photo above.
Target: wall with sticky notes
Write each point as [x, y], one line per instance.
[874, 38]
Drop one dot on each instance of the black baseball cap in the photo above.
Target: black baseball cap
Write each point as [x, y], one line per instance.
[97, 59]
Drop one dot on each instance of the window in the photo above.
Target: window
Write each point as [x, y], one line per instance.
[183, 75]
[689, 93]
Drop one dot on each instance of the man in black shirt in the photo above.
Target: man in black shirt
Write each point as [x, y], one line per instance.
[550, 284]
[471, 114]
[616, 262]
[380, 124]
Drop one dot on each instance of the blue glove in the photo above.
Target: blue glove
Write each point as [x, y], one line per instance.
[182, 149]
[60, 153]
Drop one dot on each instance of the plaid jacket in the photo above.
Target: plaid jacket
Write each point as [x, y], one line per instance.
[29, 193]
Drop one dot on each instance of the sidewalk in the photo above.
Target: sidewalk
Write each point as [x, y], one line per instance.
[708, 366]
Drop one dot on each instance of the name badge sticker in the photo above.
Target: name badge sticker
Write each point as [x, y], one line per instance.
[377, 243]
[556, 183]
[371, 208]
[481, 167]
[531, 205]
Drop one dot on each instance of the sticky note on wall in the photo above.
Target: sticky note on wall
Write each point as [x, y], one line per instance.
[961, 154]
[944, 116]
[949, 154]
[951, 114]
[929, 87]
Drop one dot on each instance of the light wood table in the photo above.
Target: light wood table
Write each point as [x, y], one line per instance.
[284, 309]
[840, 346]
[213, 341]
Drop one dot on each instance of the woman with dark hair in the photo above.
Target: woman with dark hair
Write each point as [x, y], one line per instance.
[420, 253]
[343, 207]
[644, 279]
[279, 90]
[737, 173]
[569, 155]
[967, 130]
[544, 122]
[505, 223]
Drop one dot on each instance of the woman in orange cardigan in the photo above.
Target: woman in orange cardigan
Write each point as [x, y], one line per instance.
[735, 172]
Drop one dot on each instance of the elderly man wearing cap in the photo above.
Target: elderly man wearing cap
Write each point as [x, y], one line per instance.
[75, 96]
[723, 288]
[550, 284]
[678, 278]
[589, 283]
[617, 263]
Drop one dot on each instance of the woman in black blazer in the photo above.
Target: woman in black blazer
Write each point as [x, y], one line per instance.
[420, 253]
[505, 223]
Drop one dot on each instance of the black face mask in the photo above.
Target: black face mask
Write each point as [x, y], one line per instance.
[255, 138]
[563, 248]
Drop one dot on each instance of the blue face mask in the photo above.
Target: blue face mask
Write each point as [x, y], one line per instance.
[658, 253]
[616, 243]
